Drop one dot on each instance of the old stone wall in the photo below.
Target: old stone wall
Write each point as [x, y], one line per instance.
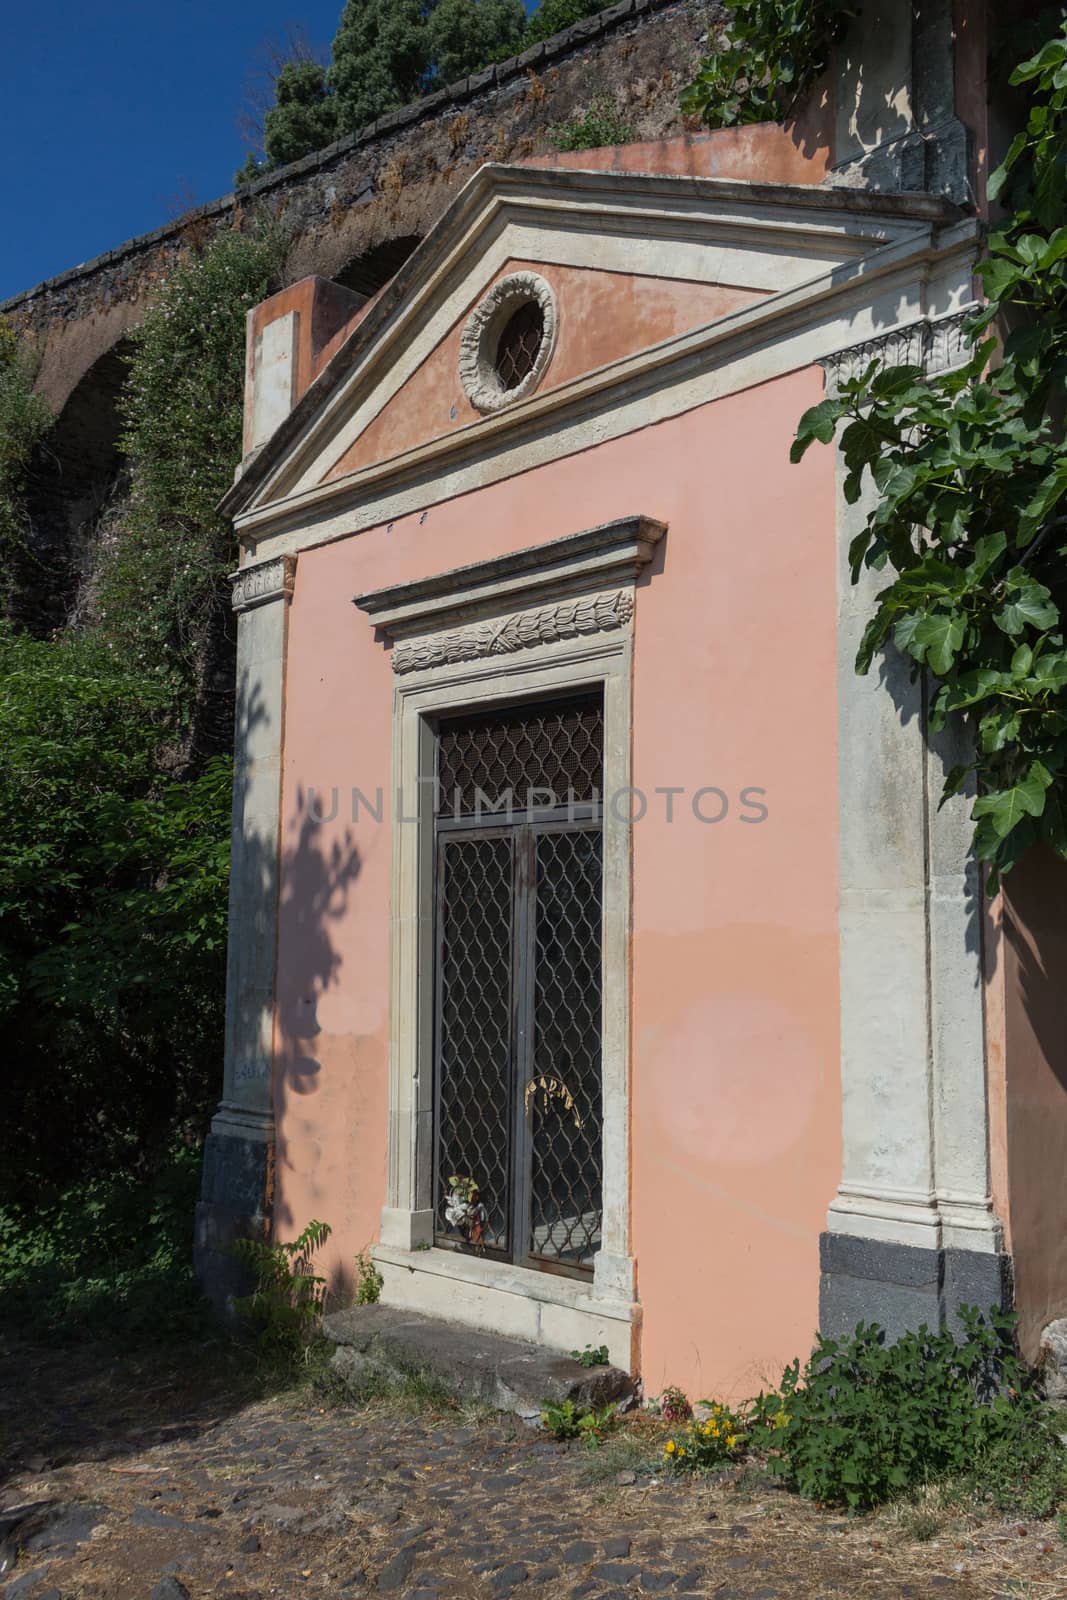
[357, 208]
[354, 212]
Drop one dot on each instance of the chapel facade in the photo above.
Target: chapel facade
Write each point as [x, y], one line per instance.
[600, 960]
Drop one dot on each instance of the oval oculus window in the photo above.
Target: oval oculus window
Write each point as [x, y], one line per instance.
[508, 341]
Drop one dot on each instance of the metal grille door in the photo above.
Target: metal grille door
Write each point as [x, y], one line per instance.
[518, 1026]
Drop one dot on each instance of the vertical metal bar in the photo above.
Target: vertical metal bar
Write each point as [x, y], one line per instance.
[440, 847]
[522, 1066]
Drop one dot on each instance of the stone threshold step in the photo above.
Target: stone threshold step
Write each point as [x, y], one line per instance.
[376, 1342]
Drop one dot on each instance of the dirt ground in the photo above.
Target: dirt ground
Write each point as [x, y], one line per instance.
[166, 1476]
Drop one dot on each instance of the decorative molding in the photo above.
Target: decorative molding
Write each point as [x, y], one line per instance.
[566, 619]
[537, 576]
[937, 346]
[477, 350]
[267, 580]
[946, 345]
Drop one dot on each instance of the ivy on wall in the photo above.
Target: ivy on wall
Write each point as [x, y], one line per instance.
[157, 583]
[24, 422]
[766, 59]
[971, 473]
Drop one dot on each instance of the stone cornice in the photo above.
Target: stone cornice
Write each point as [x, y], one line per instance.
[259, 584]
[521, 592]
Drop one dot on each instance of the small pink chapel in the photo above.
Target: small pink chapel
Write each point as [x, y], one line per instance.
[599, 962]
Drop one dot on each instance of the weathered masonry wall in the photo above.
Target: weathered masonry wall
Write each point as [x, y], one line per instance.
[358, 207]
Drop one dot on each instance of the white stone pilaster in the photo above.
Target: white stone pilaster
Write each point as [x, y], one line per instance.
[915, 1163]
[261, 596]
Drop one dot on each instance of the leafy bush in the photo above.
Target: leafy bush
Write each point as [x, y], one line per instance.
[866, 1419]
[552, 16]
[285, 1307]
[112, 1255]
[602, 124]
[673, 1404]
[591, 1356]
[112, 920]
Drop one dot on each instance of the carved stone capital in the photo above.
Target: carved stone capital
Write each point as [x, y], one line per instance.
[562, 619]
[257, 585]
[936, 346]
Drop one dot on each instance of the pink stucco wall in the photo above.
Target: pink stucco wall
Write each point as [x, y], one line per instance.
[735, 1095]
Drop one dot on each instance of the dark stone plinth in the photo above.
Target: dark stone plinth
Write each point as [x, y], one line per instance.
[234, 1204]
[901, 1286]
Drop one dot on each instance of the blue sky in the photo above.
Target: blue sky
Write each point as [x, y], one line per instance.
[116, 117]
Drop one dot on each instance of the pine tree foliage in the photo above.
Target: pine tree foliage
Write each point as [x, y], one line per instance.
[386, 54]
[304, 116]
[381, 59]
[467, 34]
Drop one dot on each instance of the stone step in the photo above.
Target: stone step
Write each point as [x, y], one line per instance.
[507, 1374]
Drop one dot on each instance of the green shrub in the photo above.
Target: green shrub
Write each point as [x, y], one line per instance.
[602, 124]
[591, 1356]
[552, 16]
[285, 1307]
[866, 1419]
[766, 59]
[112, 920]
[110, 1256]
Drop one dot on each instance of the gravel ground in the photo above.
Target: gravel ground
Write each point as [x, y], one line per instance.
[165, 1477]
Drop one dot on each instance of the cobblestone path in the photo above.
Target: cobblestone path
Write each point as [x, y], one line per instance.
[152, 1486]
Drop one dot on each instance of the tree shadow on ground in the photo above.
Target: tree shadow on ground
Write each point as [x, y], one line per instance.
[96, 1402]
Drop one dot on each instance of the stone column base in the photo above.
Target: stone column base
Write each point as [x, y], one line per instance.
[235, 1203]
[900, 1286]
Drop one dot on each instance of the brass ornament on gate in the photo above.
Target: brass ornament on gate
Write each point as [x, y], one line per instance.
[552, 1089]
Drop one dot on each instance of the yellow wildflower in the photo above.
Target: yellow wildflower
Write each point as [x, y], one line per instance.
[731, 1440]
[670, 1447]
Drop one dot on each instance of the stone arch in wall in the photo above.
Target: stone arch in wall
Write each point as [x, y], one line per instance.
[372, 270]
[74, 475]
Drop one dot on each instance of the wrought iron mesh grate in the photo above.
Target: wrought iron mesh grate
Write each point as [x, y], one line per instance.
[519, 344]
[474, 1087]
[565, 1109]
[551, 752]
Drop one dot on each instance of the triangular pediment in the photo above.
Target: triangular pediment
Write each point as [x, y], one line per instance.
[637, 264]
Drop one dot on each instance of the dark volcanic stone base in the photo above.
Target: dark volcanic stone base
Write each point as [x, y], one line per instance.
[901, 1286]
[234, 1204]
